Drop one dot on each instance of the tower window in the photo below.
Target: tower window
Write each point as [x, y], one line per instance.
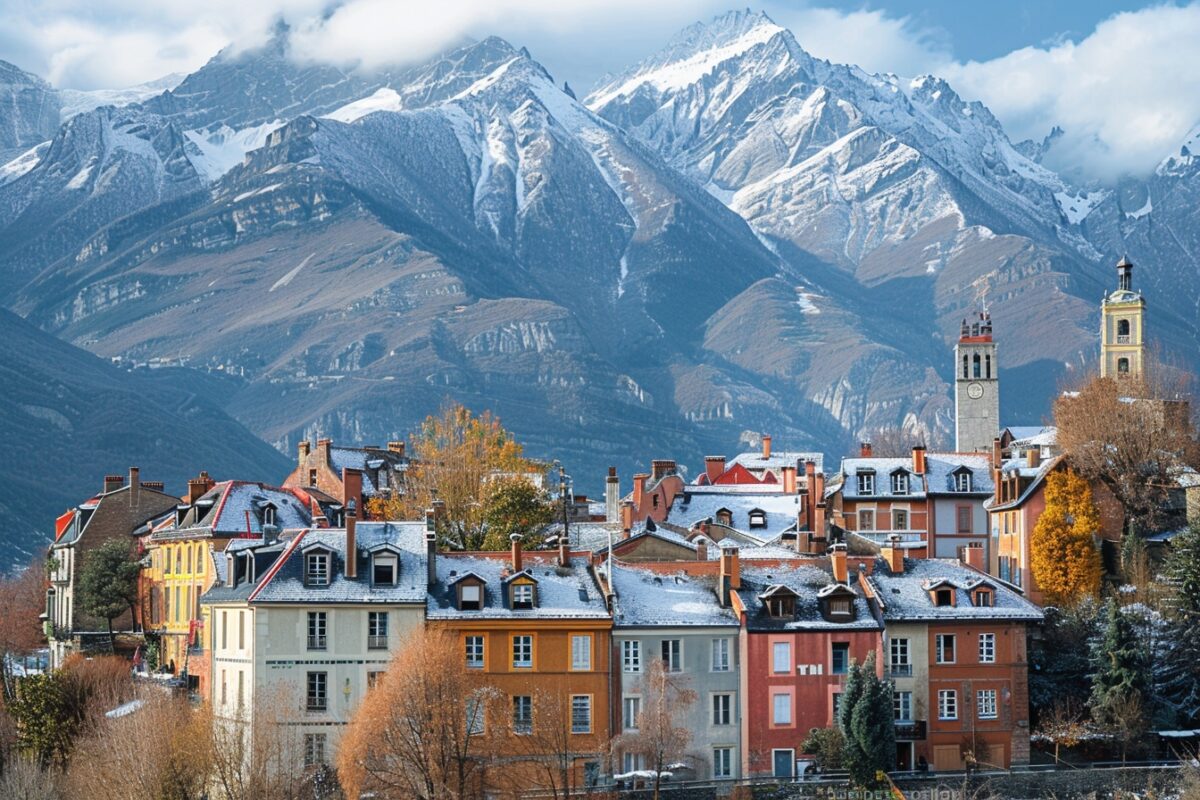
[1123, 366]
[966, 370]
[987, 360]
[1122, 331]
[977, 365]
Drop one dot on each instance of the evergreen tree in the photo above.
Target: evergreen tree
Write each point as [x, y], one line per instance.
[1060, 668]
[1181, 665]
[867, 724]
[1121, 676]
[108, 582]
[1063, 554]
[852, 691]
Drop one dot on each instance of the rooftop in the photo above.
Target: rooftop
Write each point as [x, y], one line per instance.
[906, 596]
[645, 598]
[562, 592]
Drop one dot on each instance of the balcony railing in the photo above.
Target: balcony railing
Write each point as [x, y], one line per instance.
[900, 670]
[377, 642]
[910, 730]
[1124, 338]
[316, 643]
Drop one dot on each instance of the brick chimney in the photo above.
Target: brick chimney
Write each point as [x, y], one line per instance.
[864, 449]
[789, 480]
[766, 444]
[612, 496]
[972, 555]
[713, 467]
[997, 454]
[430, 547]
[323, 446]
[135, 487]
[818, 505]
[639, 489]
[113, 482]
[660, 467]
[702, 549]
[918, 456]
[515, 546]
[351, 499]
[155, 486]
[303, 449]
[198, 486]
[626, 518]
[893, 554]
[1033, 456]
[730, 573]
[396, 447]
[837, 559]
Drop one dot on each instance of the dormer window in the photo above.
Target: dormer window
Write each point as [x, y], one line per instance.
[522, 596]
[249, 570]
[383, 569]
[781, 607]
[900, 482]
[316, 569]
[725, 517]
[470, 596]
[758, 518]
[962, 481]
[866, 482]
[983, 598]
[837, 603]
[268, 514]
[943, 597]
[840, 605]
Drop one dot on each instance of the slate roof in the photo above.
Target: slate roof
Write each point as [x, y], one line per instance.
[585, 535]
[1033, 435]
[265, 556]
[222, 512]
[940, 469]
[754, 460]
[651, 530]
[883, 468]
[905, 596]
[1021, 466]
[570, 593]
[695, 504]
[653, 599]
[806, 580]
[376, 465]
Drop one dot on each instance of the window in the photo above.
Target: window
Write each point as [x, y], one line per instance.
[522, 652]
[269, 515]
[581, 652]
[475, 716]
[987, 648]
[781, 606]
[224, 629]
[902, 706]
[722, 709]
[522, 595]
[983, 597]
[945, 648]
[947, 704]
[724, 517]
[314, 749]
[317, 626]
[1122, 331]
[317, 697]
[631, 709]
[470, 597]
[241, 690]
[758, 518]
[899, 519]
[720, 655]
[672, 654]
[986, 703]
[976, 366]
[900, 665]
[312, 477]
[866, 483]
[241, 630]
[964, 519]
[383, 570]
[781, 709]
[841, 658]
[474, 652]
[373, 679]
[781, 657]
[631, 655]
[840, 606]
[581, 713]
[223, 688]
[866, 519]
[189, 559]
[722, 762]
[943, 597]
[632, 762]
[900, 483]
[962, 481]
[316, 569]
[522, 714]
[1123, 366]
[377, 630]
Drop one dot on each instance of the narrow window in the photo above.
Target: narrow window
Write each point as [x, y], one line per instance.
[781, 657]
[902, 706]
[474, 652]
[975, 366]
[947, 704]
[475, 716]
[722, 709]
[945, 648]
[581, 652]
[377, 630]
[866, 519]
[964, 519]
[899, 665]
[631, 655]
[522, 596]
[383, 570]
[900, 519]
[781, 709]
[314, 749]
[470, 597]
[987, 648]
[317, 628]
[522, 652]
[841, 658]
[720, 655]
[581, 713]
[672, 654]
[316, 698]
[522, 714]
[316, 569]
[987, 703]
[631, 711]
[722, 762]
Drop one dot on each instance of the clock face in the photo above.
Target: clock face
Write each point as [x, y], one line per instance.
[974, 391]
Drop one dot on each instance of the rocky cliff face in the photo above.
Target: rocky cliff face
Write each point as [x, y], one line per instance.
[31, 111]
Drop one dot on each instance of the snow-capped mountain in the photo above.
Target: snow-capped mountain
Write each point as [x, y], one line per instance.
[30, 111]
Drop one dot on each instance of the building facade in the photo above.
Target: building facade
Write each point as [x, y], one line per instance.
[976, 387]
[1122, 326]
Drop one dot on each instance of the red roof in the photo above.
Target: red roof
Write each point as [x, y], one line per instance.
[62, 523]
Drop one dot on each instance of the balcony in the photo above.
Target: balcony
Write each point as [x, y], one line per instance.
[910, 730]
[316, 643]
[377, 642]
[900, 670]
[1124, 338]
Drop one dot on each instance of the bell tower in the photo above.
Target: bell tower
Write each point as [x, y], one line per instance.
[1122, 326]
[976, 387]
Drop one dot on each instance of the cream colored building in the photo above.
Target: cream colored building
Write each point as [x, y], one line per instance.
[1122, 327]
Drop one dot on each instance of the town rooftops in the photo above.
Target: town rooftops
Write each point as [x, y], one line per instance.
[942, 471]
[235, 509]
[811, 587]
[646, 598]
[881, 485]
[376, 464]
[910, 595]
[1031, 477]
[761, 515]
[754, 461]
[567, 592]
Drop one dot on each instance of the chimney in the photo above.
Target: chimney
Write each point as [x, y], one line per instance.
[864, 450]
[893, 554]
[135, 487]
[198, 486]
[1033, 457]
[626, 518]
[612, 496]
[639, 489]
[918, 455]
[660, 467]
[702, 549]
[766, 441]
[837, 559]
[972, 555]
[323, 446]
[113, 482]
[303, 449]
[564, 551]
[351, 498]
[515, 540]
[430, 547]
[997, 454]
[397, 448]
[729, 571]
[789, 480]
[818, 505]
[713, 467]
[155, 486]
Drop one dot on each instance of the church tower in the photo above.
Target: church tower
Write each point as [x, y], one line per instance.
[976, 387]
[1122, 331]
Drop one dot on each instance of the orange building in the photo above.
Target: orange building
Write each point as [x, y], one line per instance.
[537, 625]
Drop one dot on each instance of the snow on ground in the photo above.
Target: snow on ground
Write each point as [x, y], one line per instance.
[1076, 208]
[22, 163]
[77, 102]
[80, 178]
[213, 153]
[1143, 211]
[805, 301]
[385, 99]
[291, 274]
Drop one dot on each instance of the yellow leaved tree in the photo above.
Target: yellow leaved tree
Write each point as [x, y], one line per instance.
[1064, 558]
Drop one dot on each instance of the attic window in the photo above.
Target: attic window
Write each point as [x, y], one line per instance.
[268, 514]
[522, 595]
[383, 569]
[725, 517]
[943, 597]
[983, 598]
[866, 482]
[316, 569]
[312, 477]
[470, 597]
[781, 607]
[250, 567]
[840, 606]
[758, 518]
[962, 481]
[900, 482]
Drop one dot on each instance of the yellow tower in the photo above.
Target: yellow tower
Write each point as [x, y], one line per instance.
[1122, 326]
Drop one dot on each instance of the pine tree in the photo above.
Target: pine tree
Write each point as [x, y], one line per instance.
[852, 691]
[1064, 558]
[867, 723]
[1181, 665]
[1121, 667]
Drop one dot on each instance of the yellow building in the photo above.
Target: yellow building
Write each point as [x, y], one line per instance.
[1122, 330]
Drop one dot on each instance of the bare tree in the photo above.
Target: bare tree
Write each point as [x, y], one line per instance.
[1063, 726]
[23, 779]
[894, 442]
[543, 742]
[1130, 434]
[423, 731]
[262, 756]
[658, 739]
[23, 598]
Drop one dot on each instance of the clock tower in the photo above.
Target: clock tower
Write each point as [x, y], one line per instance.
[1122, 327]
[976, 387]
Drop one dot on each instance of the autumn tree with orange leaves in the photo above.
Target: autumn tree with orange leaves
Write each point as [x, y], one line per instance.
[469, 465]
[1064, 557]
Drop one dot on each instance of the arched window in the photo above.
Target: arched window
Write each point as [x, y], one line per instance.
[976, 363]
[1122, 331]
[966, 370]
[189, 558]
[1123, 366]
[988, 363]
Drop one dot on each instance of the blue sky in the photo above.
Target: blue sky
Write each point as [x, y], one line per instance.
[1122, 78]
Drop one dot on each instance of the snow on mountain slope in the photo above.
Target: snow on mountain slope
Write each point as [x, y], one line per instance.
[76, 102]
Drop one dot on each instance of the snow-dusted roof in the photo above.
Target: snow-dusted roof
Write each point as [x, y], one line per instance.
[695, 504]
[645, 598]
[235, 508]
[562, 593]
[585, 535]
[806, 580]
[1021, 466]
[940, 469]
[905, 596]
[1033, 435]
[376, 465]
[754, 461]
[883, 469]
